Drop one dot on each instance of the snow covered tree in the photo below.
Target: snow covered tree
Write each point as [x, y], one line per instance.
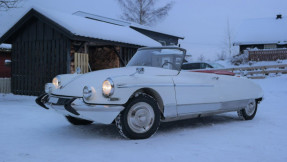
[8, 4]
[143, 12]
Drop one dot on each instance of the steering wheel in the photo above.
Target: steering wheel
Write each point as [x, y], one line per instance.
[167, 62]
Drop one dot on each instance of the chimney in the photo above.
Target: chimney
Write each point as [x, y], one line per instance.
[279, 16]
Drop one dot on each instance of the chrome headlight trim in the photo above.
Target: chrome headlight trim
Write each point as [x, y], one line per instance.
[57, 82]
[108, 87]
[87, 92]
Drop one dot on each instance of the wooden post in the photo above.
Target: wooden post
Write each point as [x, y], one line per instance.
[82, 60]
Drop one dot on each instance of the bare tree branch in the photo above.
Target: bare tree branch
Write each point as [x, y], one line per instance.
[143, 11]
[8, 4]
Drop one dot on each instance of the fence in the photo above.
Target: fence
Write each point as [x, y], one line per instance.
[267, 55]
[258, 72]
[5, 85]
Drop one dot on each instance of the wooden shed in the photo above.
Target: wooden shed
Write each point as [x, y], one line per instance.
[265, 39]
[48, 43]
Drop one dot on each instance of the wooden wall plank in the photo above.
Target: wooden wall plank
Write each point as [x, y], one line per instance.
[39, 54]
[82, 60]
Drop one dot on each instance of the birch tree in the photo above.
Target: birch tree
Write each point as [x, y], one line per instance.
[228, 49]
[144, 12]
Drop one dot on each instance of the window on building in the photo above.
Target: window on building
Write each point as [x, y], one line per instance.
[190, 66]
[270, 46]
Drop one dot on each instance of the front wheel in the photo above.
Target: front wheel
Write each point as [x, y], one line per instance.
[249, 112]
[140, 119]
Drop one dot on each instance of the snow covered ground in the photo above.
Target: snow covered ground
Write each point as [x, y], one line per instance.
[30, 133]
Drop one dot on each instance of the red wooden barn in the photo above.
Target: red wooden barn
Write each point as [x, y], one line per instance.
[5, 54]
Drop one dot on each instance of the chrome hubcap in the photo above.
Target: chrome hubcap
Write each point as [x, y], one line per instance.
[250, 108]
[141, 117]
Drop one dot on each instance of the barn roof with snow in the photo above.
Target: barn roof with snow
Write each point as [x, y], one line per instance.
[81, 26]
[262, 31]
[77, 27]
[141, 28]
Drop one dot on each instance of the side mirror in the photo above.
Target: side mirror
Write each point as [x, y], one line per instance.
[8, 63]
[140, 70]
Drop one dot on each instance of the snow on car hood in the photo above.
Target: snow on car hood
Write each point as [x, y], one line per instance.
[75, 86]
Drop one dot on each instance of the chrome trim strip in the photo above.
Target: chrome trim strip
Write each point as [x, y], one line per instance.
[60, 96]
[162, 85]
[203, 109]
[194, 85]
[144, 85]
[210, 107]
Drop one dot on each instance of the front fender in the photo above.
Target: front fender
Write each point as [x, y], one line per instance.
[126, 86]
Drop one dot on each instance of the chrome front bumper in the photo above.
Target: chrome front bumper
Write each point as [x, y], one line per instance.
[76, 107]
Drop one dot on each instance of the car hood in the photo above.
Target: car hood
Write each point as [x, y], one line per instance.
[74, 87]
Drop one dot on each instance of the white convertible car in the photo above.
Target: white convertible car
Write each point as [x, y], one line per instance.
[149, 90]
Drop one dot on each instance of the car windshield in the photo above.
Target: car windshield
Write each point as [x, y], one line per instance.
[168, 58]
[216, 66]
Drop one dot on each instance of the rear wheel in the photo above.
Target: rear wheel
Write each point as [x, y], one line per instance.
[78, 121]
[140, 119]
[249, 112]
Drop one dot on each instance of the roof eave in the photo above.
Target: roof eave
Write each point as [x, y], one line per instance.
[104, 42]
[178, 37]
[254, 43]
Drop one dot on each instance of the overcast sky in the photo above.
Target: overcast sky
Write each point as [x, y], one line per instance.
[203, 23]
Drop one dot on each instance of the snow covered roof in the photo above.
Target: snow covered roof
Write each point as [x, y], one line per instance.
[85, 27]
[262, 31]
[5, 46]
[102, 18]
[121, 23]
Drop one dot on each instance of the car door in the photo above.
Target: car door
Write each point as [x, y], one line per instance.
[196, 92]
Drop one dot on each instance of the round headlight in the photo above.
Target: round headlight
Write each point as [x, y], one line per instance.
[57, 82]
[108, 87]
[87, 92]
